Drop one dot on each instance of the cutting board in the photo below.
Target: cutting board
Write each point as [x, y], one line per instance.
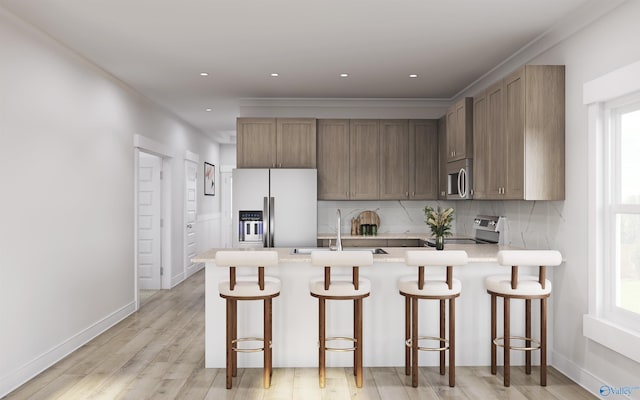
[369, 217]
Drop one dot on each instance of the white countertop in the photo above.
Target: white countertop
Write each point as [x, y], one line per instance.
[379, 235]
[478, 253]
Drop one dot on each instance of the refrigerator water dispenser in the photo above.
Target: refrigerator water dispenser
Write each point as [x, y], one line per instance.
[250, 226]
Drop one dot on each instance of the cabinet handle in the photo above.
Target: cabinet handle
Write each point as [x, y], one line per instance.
[407, 194]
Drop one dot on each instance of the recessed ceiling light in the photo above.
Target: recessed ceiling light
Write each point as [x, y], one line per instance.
[204, 74]
[413, 75]
[275, 74]
[344, 75]
[208, 109]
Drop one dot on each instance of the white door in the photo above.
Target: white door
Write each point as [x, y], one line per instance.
[149, 221]
[190, 208]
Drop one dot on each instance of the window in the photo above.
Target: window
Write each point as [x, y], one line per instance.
[621, 269]
[613, 104]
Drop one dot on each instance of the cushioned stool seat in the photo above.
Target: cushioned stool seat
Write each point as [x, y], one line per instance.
[251, 287]
[443, 289]
[340, 287]
[526, 287]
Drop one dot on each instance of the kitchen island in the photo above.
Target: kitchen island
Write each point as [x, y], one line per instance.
[295, 312]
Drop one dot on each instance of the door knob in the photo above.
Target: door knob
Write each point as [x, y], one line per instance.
[189, 226]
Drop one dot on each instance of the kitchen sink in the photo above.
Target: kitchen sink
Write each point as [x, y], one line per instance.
[308, 250]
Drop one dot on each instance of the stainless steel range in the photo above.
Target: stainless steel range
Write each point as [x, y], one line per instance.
[487, 231]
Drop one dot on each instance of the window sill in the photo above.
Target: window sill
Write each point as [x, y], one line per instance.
[619, 339]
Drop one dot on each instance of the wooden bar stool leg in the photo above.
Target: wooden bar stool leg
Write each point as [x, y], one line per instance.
[355, 336]
[507, 343]
[452, 342]
[407, 335]
[414, 342]
[270, 338]
[267, 339]
[543, 341]
[229, 343]
[322, 345]
[527, 333]
[442, 333]
[359, 377]
[494, 331]
[234, 336]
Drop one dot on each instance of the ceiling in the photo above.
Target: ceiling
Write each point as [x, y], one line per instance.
[160, 47]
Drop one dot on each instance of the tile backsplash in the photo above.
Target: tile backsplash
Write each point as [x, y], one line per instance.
[530, 224]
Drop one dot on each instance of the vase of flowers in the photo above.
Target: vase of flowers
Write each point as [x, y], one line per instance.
[439, 220]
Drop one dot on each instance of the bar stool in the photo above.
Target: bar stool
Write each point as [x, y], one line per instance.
[415, 288]
[527, 287]
[251, 287]
[341, 287]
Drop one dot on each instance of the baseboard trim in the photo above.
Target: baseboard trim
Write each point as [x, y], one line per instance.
[177, 279]
[195, 268]
[21, 375]
[579, 375]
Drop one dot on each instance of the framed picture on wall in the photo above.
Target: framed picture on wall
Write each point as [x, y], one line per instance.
[209, 179]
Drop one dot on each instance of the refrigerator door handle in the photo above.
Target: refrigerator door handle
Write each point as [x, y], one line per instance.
[272, 218]
[265, 222]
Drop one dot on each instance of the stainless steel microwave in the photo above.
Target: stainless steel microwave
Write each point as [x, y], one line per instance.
[460, 179]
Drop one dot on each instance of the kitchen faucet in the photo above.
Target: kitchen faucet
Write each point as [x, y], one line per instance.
[339, 238]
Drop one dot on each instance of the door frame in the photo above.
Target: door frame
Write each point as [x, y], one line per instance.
[148, 145]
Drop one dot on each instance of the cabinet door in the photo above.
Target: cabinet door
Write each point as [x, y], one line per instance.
[494, 144]
[423, 160]
[451, 134]
[394, 159]
[463, 144]
[514, 99]
[333, 159]
[442, 157]
[480, 150]
[296, 143]
[363, 159]
[256, 142]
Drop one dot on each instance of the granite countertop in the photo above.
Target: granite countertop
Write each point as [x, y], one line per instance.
[478, 253]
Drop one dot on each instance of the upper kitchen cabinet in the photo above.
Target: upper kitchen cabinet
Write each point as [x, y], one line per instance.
[521, 136]
[333, 159]
[460, 130]
[276, 143]
[371, 159]
[364, 149]
[488, 141]
[423, 159]
[442, 158]
[296, 142]
[394, 159]
[256, 142]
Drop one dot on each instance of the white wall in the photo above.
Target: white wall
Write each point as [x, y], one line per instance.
[66, 207]
[607, 44]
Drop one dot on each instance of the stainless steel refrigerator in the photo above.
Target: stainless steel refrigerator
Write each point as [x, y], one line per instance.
[275, 207]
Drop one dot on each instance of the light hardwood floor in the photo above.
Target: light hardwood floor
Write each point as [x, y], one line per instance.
[158, 353]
